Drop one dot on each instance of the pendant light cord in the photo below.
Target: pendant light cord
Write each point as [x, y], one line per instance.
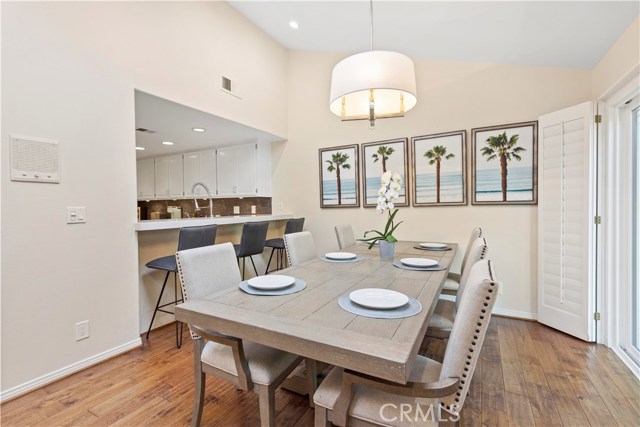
[371, 14]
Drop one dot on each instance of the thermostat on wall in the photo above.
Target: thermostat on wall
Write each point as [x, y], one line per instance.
[34, 159]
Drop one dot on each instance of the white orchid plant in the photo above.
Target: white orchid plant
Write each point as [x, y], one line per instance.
[391, 184]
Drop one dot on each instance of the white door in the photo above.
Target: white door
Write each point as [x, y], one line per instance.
[162, 176]
[176, 179]
[146, 177]
[207, 161]
[566, 230]
[191, 169]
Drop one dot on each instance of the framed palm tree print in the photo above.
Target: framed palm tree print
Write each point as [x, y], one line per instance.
[505, 166]
[439, 166]
[339, 177]
[378, 158]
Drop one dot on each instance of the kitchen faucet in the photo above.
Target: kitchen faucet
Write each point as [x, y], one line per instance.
[193, 190]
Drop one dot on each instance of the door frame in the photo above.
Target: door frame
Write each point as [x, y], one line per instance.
[612, 191]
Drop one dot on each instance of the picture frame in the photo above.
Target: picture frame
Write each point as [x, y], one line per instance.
[439, 165]
[339, 177]
[519, 144]
[380, 156]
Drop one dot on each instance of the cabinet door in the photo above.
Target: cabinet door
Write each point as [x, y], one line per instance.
[145, 178]
[162, 177]
[207, 163]
[246, 169]
[176, 182]
[191, 172]
[263, 170]
[227, 171]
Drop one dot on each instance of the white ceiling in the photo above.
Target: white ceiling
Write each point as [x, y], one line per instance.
[173, 122]
[540, 33]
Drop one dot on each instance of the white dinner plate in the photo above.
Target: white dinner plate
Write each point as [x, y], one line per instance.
[384, 299]
[341, 256]
[271, 282]
[419, 262]
[433, 245]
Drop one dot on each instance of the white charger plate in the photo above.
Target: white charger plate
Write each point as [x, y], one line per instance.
[419, 262]
[433, 245]
[271, 282]
[381, 299]
[341, 256]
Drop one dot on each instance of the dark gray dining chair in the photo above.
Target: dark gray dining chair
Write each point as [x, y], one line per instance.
[189, 238]
[277, 244]
[254, 235]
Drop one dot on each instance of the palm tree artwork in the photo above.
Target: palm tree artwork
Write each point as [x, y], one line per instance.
[383, 154]
[505, 149]
[436, 155]
[338, 161]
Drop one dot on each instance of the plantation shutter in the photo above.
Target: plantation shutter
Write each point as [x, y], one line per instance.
[566, 253]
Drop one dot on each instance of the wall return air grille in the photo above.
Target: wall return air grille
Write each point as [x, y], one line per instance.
[34, 159]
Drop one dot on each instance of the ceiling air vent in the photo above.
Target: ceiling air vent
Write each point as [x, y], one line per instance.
[144, 130]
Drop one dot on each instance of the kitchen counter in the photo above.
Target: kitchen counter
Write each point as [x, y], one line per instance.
[169, 224]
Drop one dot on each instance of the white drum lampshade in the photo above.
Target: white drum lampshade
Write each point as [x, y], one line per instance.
[372, 85]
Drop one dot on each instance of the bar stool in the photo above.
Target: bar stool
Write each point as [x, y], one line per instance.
[189, 238]
[277, 244]
[252, 241]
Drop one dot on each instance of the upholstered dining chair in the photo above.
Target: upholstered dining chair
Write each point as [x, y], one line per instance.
[444, 314]
[245, 364]
[300, 247]
[345, 236]
[349, 398]
[452, 283]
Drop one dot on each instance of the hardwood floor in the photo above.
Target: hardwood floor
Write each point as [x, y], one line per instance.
[528, 375]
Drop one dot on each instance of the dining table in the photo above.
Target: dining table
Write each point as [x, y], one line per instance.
[311, 323]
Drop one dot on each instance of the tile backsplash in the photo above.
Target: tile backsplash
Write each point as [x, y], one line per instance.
[158, 208]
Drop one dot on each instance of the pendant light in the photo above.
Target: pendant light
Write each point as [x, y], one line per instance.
[373, 85]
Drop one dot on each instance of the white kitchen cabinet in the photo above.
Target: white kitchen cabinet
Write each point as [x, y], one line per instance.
[244, 170]
[200, 166]
[169, 176]
[145, 173]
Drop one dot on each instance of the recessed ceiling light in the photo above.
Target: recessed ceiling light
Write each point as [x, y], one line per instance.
[140, 148]
[198, 129]
[294, 25]
[167, 142]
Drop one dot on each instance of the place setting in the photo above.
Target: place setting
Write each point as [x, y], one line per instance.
[430, 246]
[341, 257]
[419, 264]
[272, 285]
[380, 303]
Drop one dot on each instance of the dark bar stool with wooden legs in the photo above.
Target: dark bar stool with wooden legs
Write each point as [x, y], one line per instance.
[189, 238]
[277, 244]
[252, 241]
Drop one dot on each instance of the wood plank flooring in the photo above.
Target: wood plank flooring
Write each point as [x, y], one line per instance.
[527, 375]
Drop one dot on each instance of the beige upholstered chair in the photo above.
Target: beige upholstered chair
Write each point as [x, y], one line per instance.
[445, 312]
[349, 398]
[245, 364]
[452, 283]
[300, 247]
[345, 236]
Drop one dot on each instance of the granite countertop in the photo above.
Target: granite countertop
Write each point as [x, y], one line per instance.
[168, 224]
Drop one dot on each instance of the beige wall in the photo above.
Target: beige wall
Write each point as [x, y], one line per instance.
[69, 71]
[452, 96]
[616, 65]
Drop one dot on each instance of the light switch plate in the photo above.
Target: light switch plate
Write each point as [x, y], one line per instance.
[76, 215]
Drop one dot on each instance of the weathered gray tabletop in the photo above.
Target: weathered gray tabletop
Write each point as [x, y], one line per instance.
[310, 323]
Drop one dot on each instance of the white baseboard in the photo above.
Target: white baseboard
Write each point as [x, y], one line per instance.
[67, 370]
[513, 313]
[626, 360]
